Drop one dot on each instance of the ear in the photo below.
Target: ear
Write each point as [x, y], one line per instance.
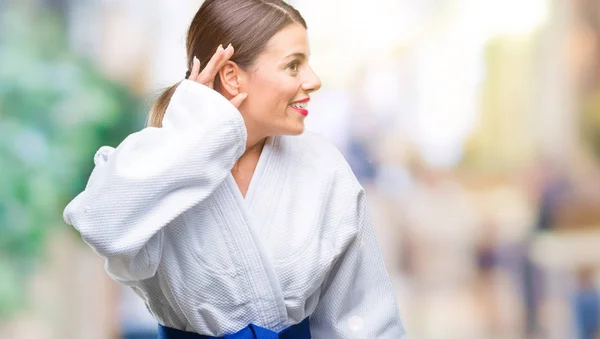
[230, 77]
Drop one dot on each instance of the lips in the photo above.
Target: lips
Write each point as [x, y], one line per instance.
[300, 101]
[300, 110]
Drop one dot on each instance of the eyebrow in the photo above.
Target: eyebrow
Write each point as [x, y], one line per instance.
[297, 55]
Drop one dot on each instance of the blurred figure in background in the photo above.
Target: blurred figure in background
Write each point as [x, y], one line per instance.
[552, 186]
[586, 305]
[486, 253]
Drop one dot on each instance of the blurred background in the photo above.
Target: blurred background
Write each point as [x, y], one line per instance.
[474, 126]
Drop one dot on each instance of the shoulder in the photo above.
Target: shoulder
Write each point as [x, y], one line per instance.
[320, 158]
[329, 180]
[316, 152]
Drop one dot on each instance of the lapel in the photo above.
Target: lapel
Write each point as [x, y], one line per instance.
[265, 187]
[247, 217]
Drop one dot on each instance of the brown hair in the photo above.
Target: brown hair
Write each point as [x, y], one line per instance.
[247, 24]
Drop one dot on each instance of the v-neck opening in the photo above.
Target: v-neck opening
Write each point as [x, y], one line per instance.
[257, 174]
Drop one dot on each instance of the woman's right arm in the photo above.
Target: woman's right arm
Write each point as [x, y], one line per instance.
[154, 176]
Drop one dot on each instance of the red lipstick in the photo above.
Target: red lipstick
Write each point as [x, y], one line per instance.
[300, 110]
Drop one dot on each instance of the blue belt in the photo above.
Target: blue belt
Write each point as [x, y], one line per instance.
[298, 331]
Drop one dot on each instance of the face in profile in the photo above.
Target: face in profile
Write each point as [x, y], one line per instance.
[279, 85]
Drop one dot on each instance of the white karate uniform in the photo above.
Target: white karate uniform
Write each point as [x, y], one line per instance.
[165, 212]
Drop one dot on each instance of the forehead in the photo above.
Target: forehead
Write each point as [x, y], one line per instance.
[291, 39]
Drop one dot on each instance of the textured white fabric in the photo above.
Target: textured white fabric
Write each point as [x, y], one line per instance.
[166, 214]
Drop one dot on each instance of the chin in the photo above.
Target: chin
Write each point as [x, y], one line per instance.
[297, 130]
[291, 130]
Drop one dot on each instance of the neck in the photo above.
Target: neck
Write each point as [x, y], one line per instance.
[254, 146]
[254, 143]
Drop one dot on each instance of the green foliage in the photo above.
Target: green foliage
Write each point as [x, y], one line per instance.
[56, 109]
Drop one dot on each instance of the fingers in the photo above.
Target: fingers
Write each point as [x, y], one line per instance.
[195, 70]
[238, 99]
[217, 61]
[211, 66]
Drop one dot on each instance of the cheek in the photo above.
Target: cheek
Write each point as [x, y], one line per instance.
[275, 92]
[286, 92]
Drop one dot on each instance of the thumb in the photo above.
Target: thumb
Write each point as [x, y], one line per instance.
[237, 100]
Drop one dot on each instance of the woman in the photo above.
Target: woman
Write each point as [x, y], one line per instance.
[222, 215]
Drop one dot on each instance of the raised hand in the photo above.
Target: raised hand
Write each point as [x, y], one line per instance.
[208, 74]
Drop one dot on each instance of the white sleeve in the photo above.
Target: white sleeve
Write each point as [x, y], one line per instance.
[155, 175]
[357, 299]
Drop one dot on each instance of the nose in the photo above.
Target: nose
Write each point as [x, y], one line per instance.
[312, 82]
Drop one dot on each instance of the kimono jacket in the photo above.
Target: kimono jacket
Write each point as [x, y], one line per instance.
[167, 215]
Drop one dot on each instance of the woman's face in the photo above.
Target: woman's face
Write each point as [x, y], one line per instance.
[279, 84]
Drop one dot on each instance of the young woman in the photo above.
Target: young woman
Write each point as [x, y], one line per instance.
[222, 215]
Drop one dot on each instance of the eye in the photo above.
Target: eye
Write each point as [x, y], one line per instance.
[294, 66]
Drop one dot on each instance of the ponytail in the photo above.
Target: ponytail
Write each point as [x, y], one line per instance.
[158, 110]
